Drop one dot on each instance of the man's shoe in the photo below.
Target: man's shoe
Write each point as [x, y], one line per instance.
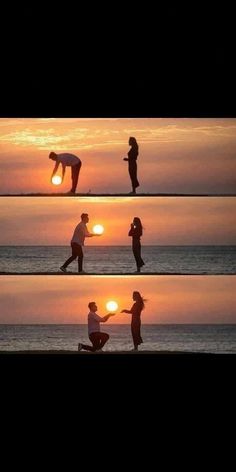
[82, 272]
[63, 269]
[80, 347]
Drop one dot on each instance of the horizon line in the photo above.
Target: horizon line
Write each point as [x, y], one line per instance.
[117, 245]
[159, 194]
[115, 324]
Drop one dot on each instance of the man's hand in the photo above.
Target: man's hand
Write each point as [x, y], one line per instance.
[106, 317]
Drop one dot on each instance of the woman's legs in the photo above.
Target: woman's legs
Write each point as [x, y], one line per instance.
[137, 254]
[136, 335]
[133, 175]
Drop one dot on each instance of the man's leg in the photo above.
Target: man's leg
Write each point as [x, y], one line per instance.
[95, 340]
[75, 170]
[85, 347]
[103, 339]
[71, 258]
[80, 259]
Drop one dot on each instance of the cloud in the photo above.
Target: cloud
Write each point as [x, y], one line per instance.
[72, 134]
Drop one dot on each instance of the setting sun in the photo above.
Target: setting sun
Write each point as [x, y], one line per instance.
[98, 229]
[112, 306]
[56, 180]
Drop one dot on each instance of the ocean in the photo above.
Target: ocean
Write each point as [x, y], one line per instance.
[119, 259]
[190, 338]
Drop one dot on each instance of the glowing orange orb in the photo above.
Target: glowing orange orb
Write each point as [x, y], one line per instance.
[111, 306]
[98, 229]
[56, 180]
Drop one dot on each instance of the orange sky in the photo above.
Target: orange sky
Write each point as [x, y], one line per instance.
[167, 220]
[188, 155]
[171, 299]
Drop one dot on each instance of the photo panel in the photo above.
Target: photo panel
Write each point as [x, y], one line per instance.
[187, 235]
[181, 314]
[174, 155]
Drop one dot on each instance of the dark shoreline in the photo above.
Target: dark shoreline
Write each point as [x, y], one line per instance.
[119, 195]
[107, 353]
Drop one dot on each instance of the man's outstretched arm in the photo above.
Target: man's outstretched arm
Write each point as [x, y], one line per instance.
[106, 317]
[55, 168]
[90, 235]
[103, 319]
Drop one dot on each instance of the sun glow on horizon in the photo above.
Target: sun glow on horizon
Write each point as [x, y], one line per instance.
[56, 180]
[112, 306]
[98, 229]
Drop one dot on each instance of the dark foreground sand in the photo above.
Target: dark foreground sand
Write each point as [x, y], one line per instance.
[104, 353]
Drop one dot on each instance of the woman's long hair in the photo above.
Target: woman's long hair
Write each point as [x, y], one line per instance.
[138, 224]
[140, 300]
[133, 143]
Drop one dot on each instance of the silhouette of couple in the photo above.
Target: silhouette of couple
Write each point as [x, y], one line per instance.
[81, 232]
[70, 160]
[99, 339]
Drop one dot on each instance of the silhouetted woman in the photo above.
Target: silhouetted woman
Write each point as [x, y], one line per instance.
[136, 231]
[135, 311]
[132, 160]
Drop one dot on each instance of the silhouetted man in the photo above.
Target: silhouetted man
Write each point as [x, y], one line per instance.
[67, 160]
[80, 233]
[97, 338]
